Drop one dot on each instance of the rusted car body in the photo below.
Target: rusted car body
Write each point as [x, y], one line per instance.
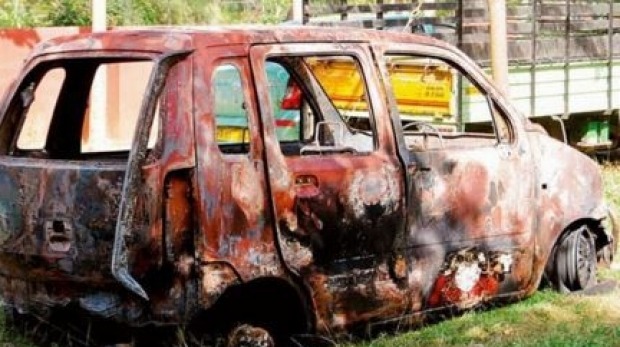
[346, 225]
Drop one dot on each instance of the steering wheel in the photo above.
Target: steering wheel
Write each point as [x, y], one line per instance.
[421, 126]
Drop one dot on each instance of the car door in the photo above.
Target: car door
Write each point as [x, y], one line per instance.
[470, 179]
[61, 191]
[335, 179]
[235, 236]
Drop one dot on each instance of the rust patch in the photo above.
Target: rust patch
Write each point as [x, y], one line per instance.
[216, 278]
[374, 190]
[468, 195]
[469, 277]
[247, 194]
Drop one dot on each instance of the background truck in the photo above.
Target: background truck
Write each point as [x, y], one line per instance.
[563, 55]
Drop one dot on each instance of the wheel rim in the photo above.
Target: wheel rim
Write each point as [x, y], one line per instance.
[576, 261]
[585, 260]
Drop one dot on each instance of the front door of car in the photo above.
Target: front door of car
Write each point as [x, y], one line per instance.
[470, 209]
[335, 179]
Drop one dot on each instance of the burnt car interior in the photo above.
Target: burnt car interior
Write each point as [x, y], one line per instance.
[309, 115]
[430, 94]
[52, 111]
[322, 126]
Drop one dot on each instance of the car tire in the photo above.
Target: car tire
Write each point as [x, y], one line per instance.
[575, 261]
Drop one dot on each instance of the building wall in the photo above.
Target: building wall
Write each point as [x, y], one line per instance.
[16, 44]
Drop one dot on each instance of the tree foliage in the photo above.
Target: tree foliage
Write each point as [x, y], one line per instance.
[67, 12]
[28, 13]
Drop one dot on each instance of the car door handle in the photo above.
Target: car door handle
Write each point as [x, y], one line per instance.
[413, 169]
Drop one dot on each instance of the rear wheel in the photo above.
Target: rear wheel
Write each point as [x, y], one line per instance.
[246, 335]
[575, 261]
[256, 313]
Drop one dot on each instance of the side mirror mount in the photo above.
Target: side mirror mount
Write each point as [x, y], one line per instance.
[329, 138]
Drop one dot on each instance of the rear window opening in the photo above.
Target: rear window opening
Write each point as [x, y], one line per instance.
[80, 109]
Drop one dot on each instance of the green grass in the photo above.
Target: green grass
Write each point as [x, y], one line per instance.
[546, 319]
[611, 183]
[11, 338]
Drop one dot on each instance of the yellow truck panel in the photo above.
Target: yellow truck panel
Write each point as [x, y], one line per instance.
[420, 89]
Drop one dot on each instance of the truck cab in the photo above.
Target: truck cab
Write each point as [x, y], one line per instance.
[289, 180]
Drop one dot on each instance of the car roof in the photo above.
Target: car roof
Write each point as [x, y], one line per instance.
[167, 39]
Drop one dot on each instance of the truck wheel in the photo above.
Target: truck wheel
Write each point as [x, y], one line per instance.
[246, 335]
[575, 261]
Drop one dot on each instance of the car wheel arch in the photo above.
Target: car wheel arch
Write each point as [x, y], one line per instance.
[263, 302]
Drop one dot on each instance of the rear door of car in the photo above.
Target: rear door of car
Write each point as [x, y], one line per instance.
[62, 173]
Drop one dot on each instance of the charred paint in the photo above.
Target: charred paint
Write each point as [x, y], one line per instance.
[51, 216]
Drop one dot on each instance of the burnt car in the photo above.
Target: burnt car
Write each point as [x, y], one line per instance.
[269, 183]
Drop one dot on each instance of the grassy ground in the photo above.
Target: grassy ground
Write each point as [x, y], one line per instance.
[11, 338]
[611, 181]
[545, 319]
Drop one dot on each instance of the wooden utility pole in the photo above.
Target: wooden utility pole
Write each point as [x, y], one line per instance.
[98, 122]
[499, 43]
[298, 11]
